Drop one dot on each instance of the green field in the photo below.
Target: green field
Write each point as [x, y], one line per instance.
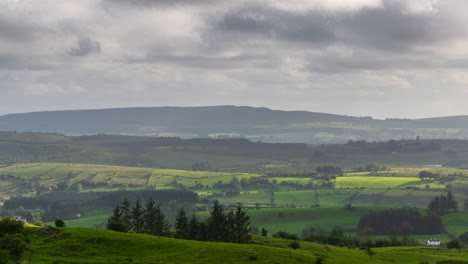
[83, 246]
[373, 182]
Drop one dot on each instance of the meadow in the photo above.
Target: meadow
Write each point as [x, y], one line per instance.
[105, 247]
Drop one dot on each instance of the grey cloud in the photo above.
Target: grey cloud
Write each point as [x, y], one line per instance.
[209, 62]
[156, 3]
[15, 29]
[85, 47]
[312, 27]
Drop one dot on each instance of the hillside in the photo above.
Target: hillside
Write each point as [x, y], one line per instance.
[234, 121]
[83, 246]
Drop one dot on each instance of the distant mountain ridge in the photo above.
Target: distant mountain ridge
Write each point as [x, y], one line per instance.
[234, 121]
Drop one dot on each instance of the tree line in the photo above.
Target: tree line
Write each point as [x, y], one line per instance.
[220, 226]
[443, 204]
[395, 220]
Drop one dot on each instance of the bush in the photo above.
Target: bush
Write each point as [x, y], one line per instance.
[294, 244]
[15, 244]
[455, 244]
[10, 226]
[59, 222]
[3, 257]
[117, 226]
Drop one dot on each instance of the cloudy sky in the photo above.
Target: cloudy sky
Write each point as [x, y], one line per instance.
[380, 58]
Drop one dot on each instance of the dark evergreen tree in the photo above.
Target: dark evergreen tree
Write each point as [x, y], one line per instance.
[150, 216]
[230, 228]
[126, 209]
[182, 225]
[241, 225]
[137, 217]
[194, 226]
[202, 234]
[115, 222]
[216, 225]
[162, 225]
[451, 202]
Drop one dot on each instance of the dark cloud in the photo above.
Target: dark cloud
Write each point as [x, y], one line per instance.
[85, 47]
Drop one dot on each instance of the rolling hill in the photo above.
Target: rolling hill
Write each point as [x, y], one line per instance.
[83, 246]
[234, 121]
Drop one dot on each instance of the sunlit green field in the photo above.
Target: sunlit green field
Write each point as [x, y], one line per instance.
[373, 182]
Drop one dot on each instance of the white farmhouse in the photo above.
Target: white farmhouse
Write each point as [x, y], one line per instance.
[433, 242]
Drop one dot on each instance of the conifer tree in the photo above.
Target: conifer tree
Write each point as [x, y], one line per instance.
[202, 234]
[151, 217]
[182, 225]
[162, 225]
[451, 202]
[115, 222]
[137, 217]
[193, 227]
[241, 225]
[230, 235]
[126, 213]
[216, 225]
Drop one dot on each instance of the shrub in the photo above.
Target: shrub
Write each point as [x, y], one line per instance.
[3, 257]
[117, 226]
[294, 244]
[455, 244]
[59, 222]
[10, 226]
[15, 244]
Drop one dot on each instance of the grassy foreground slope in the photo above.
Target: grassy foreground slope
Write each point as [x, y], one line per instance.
[85, 246]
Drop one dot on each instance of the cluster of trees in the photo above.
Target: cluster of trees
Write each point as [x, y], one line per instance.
[401, 221]
[337, 237]
[201, 166]
[374, 167]
[427, 175]
[395, 146]
[138, 218]
[233, 226]
[12, 240]
[443, 204]
[329, 170]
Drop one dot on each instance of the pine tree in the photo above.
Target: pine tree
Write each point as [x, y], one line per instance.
[193, 228]
[451, 202]
[115, 222]
[434, 205]
[162, 225]
[202, 234]
[150, 217]
[216, 225]
[126, 213]
[182, 225]
[230, 235]
[137, 217]
[241, 225]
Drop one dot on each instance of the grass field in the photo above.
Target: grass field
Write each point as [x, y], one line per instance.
[373, 182]
[51, 174]
[106, 247]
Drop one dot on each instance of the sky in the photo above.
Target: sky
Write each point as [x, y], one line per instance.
[379, 58]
